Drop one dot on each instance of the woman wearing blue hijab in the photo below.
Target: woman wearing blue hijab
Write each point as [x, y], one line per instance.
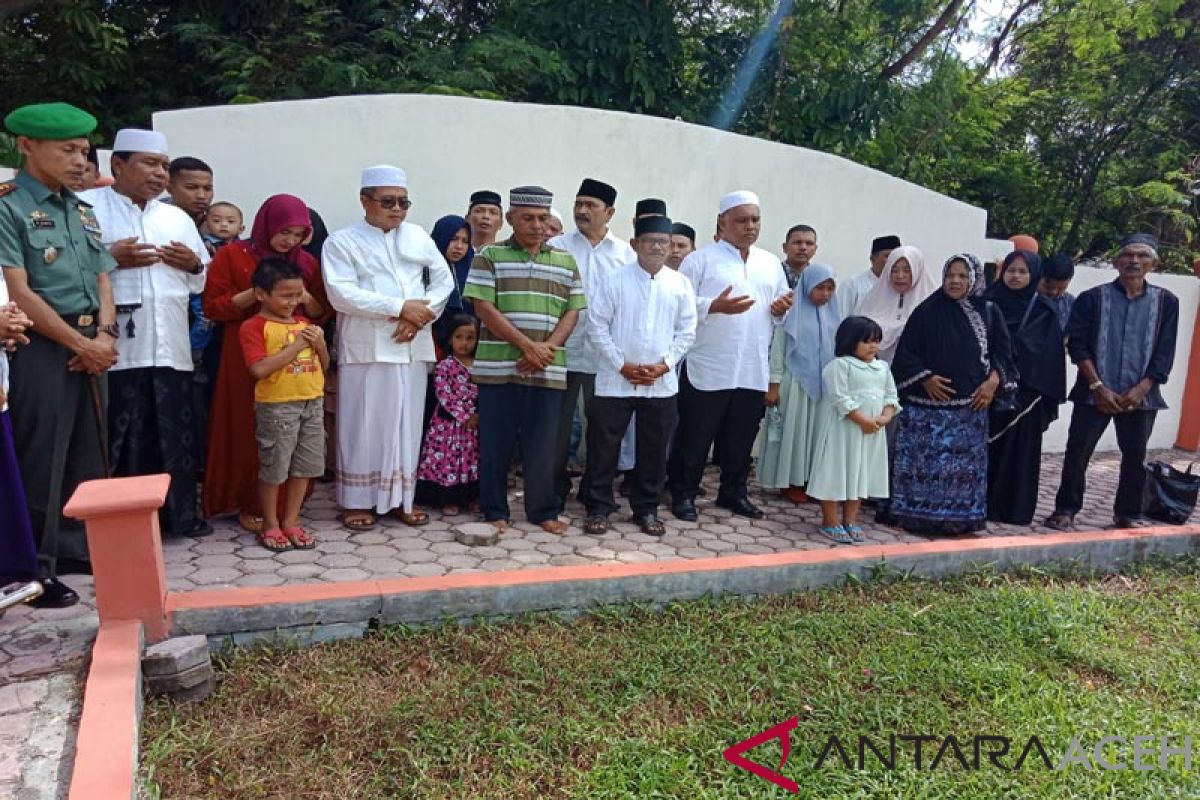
[802, 347]
[452, 234]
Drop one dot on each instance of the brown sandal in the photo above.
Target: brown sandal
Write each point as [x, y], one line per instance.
[414, 520]
[555, 526]
[250, 522]
[358, 521]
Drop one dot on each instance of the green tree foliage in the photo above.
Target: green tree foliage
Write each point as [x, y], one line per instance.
[1082, 121]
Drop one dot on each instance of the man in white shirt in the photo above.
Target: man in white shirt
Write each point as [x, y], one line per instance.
[160, 261]
[741, 294]
[388, 282]
[596, 252]
[641, 323]
[851, 292]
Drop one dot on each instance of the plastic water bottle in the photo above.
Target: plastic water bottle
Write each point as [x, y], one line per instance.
[774, 424]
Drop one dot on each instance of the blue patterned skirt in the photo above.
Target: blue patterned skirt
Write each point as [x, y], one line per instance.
[939, 476]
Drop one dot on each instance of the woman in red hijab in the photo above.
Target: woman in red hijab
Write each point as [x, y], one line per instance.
[281, 227]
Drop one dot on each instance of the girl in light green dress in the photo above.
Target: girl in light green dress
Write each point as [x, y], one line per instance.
[802, 346]
[850, 460]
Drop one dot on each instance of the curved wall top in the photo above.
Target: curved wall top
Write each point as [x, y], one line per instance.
[451, 146]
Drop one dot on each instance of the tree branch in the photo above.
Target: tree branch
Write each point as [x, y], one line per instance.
[914, 52]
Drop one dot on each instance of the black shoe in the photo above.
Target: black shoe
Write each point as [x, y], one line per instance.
[1060, 521]
[650, 524]
[55, 594]
[685, 510]
[1120, 521]
[200, 529]
[73, 566]
[741, 507]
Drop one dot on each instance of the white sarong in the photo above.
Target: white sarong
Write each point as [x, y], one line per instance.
[379, 415]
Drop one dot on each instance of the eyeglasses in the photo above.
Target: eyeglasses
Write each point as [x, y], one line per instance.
[656, 244]
[392, 202]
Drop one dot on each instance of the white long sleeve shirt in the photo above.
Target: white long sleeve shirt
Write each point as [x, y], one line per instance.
[157, 295]
[732, 350]
[640, 319]
[369, 275]
[851, 291]
[594, 263]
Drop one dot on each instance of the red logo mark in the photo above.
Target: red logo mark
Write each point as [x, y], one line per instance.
[734, 754]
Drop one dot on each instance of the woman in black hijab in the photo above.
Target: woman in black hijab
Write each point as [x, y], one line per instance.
[1015, 431]
[952, 360]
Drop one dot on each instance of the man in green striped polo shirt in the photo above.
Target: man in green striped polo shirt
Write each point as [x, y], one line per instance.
[527, 296]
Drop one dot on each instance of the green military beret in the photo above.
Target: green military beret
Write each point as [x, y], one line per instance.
[50, 121]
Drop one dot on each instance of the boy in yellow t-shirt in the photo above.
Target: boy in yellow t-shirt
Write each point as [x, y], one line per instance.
[287, 357]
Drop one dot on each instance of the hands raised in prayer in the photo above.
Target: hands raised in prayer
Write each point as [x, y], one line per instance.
[129, 253]
[782, 304]
[179, 256]
[724, 304]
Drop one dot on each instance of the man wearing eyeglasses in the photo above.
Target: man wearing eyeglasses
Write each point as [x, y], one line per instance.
[388, 282]
[1121, 335]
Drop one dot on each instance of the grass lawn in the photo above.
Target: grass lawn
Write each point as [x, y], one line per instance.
[640, 704]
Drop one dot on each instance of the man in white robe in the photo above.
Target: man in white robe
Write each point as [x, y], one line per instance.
[160, 262]
[388, 282]
[741, 295]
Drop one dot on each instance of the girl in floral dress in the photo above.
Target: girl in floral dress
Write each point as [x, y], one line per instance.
[449, 472]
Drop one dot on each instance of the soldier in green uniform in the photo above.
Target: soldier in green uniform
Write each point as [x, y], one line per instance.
[57, 273]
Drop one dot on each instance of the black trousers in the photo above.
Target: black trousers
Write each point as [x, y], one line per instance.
[1087, 426]
[510, 413]
[58, 435]
[152, 428]
[730, 417]
[606, 427]
[577, 382]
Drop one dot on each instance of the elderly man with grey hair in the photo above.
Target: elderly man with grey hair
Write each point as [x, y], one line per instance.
[1122, 338]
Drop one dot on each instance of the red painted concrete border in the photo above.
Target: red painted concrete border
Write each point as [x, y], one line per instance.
[314, 592]
[121, 515]
[1189, 424]
[106, 746]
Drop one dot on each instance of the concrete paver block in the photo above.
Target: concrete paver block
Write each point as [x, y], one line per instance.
[175, 655]
[476, 534]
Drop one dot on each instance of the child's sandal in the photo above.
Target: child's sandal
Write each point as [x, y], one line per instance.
[837, 534]
[856, 533]
[274, 540]
[299, 539]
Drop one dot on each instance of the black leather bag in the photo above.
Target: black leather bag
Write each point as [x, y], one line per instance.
[1170, 495]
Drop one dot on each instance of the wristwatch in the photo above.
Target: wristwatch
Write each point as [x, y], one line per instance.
[112, 329]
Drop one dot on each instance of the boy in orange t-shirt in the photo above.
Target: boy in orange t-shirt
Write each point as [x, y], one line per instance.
[287, 357]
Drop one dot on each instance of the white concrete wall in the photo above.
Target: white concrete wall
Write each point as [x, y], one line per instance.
[452, 146]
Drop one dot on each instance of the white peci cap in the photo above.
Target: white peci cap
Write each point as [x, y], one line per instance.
[137, 140]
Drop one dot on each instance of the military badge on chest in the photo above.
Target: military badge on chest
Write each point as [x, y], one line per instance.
[41, 221]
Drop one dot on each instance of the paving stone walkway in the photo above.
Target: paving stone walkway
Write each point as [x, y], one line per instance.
[37, 646]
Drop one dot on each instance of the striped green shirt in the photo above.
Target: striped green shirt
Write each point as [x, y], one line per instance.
[533, 293]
